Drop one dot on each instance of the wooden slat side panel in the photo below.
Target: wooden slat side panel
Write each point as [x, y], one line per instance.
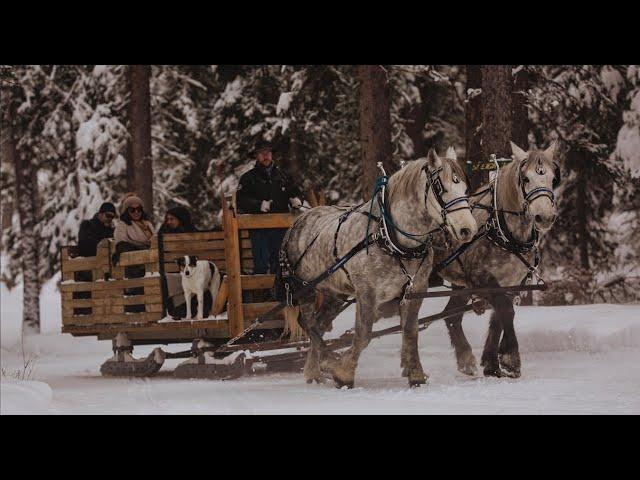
[254, 310]
[214, 255]
[194, 246]
[138, 257]
[196, 236]
[257, 282]
[273, 220]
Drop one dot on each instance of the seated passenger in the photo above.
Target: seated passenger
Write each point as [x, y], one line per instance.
[134, 230]
[98, 228]
[177, 220]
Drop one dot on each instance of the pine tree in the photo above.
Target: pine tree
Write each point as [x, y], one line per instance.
[581, 106]
[26, 199]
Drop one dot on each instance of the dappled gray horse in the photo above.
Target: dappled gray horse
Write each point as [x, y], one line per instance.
[425, 198]
[521, 207]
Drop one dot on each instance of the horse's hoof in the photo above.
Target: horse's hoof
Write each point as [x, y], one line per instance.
[417, 378]
[467, 364]
[405, 372]
[510, 364]
[511, 373]
[471, 370]
[417, 383]
[340, 384]
[492, 371]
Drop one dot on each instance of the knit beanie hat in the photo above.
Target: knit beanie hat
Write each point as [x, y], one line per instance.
[129, 200]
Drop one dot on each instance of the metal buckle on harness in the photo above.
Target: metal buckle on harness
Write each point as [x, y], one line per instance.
[408, 288]
[288, 295]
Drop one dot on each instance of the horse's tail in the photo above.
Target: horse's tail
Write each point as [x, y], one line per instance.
[291, 324]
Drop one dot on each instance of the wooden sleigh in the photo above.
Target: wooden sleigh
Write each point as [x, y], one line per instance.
[99, 300]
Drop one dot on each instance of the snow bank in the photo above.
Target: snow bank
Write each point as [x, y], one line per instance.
[586, 328]
[11, 312]
[24, 397]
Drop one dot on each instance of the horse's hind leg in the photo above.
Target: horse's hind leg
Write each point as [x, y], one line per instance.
[308, 322]
[344, 371]
[464, 355]
[410, 356]
[509, 355]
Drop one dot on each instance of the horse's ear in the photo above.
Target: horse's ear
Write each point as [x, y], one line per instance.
[519, 154]
[451, 153]
[550, 152]
[433, 160]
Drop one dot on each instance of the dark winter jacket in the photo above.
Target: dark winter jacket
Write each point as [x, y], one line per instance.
[186, 224]
[258, 184]
[90, 234]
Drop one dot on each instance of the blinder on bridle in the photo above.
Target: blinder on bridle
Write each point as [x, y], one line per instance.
[435, 182]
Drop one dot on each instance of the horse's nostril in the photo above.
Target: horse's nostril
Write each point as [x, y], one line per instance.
[465, 232]
[538, 218]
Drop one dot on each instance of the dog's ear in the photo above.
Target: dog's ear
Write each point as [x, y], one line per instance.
[193, 260]
[180, 262]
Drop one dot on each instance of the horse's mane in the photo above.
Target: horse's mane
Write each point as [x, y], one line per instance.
[508, 192]
[409, 181]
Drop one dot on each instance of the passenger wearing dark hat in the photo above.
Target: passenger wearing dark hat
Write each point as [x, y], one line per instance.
[177, 220]
[266, 189]
[96, 229]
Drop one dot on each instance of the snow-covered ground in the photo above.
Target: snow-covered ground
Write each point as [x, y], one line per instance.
[576, 360]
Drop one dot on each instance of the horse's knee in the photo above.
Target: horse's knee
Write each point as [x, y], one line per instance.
[503, 306]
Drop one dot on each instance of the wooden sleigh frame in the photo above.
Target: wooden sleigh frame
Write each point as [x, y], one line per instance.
[98, 300]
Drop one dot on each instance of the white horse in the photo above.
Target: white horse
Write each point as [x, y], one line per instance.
[519, 206]
[424, 199]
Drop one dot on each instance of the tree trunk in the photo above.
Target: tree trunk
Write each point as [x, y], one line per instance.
[375, 124]
[521, 124]
[141, 177]
[581, 210]
[26, 195]
[6, 211]
[496, 110]
[473, 124]
[520, 128]
[418, 117]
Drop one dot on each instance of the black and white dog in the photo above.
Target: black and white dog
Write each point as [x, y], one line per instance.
[197, 276]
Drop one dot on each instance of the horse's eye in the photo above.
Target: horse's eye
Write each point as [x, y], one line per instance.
[456, 179]
[526, 180]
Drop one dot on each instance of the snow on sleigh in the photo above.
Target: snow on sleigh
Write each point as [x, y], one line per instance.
[130, 302]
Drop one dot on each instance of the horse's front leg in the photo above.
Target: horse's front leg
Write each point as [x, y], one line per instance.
[509, 355]
[464, 355]
[490, 354]
[410, 356]
[344, 370]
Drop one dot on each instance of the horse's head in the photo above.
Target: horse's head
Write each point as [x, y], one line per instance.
[446, 195]
[538, 175]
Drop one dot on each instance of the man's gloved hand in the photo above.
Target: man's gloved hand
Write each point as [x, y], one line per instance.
[295, 202]
[266, 206]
